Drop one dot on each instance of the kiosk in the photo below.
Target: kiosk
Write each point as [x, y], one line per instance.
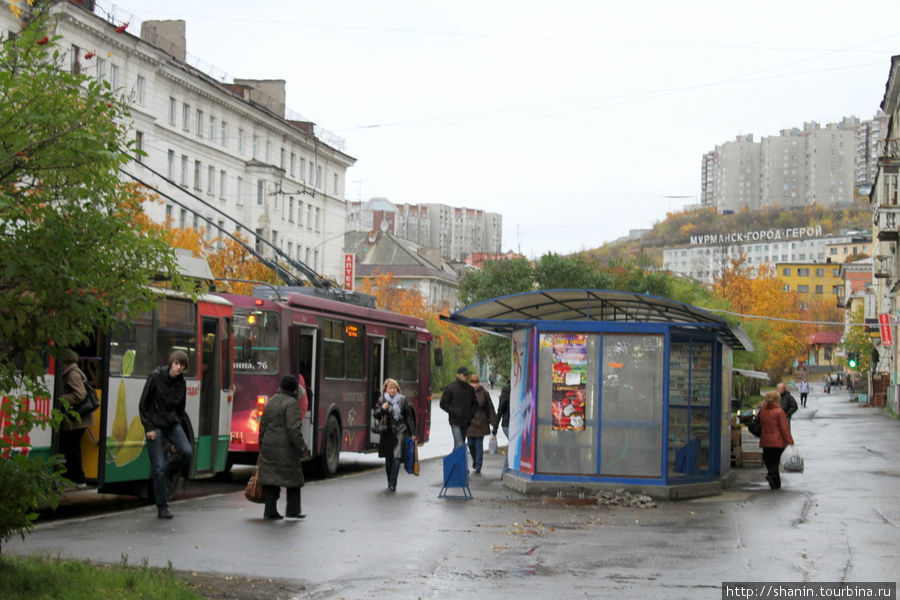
[614, 389]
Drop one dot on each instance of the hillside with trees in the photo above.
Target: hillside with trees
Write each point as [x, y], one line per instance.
[677, 228]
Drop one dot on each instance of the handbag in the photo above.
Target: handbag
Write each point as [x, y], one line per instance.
[304, 449]
[754, 426]
[492, 444]
[90, 403]
[254, 491]
[380, 426]
[791, 460]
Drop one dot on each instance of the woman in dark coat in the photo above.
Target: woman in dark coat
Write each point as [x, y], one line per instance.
[774, 438]
[399, 417]
[72, 429]
[280, 440]
[482, 420]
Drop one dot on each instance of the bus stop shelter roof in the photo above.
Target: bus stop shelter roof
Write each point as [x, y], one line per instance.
[505, 314]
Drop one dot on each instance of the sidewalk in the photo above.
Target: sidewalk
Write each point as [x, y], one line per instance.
[838, 521]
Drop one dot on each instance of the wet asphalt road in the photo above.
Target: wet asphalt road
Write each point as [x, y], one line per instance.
[838, 521]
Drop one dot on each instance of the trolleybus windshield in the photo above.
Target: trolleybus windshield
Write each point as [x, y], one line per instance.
[257, 335]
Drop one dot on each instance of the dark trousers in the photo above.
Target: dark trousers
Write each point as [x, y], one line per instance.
[70, 446]
[271, 493]
[803, 396]
[772, 460]
[392, 468]
[160, 467]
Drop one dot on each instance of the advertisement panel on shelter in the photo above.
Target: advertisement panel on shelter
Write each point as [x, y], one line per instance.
[569, 381]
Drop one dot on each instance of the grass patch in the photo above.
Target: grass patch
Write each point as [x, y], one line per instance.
[58, 579]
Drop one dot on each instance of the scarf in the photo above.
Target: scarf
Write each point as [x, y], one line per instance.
[395, 404]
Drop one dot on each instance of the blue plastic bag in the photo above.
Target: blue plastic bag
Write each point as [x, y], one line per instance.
[409, 456]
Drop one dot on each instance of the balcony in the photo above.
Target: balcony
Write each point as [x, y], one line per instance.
[887, 221]
[882, 268]
[888, 151]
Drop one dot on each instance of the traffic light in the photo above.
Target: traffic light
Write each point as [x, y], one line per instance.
[852, 360]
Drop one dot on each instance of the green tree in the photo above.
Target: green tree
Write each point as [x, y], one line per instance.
[858, 342]
[75, 251]
[553, 272]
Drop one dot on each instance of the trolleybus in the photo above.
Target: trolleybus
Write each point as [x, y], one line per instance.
[114, 453]
[340, 351]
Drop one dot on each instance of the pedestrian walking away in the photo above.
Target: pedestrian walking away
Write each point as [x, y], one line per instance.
[774, 438]
[72, 429]
[482, 420]
[788, 402]
[803, 388]
[162, 407]
[400, 423]
[503, 411]
[280, 443]
[458, 401]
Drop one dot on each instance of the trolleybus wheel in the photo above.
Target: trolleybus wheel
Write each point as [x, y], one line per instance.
[331, 448]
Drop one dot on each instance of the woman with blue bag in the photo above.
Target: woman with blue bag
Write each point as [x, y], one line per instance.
[400, 424]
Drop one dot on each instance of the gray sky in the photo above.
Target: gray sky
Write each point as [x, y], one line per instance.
[573, 119]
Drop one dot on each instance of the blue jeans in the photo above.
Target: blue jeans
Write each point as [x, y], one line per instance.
[159, 467]
[459, 436]
[476, 449]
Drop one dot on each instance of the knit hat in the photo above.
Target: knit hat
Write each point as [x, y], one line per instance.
[289, 384]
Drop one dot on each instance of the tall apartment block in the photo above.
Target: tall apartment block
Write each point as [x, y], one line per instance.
[457, 231]
[817, 165]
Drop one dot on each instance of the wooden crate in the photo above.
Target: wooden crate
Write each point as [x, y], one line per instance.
[751, 459]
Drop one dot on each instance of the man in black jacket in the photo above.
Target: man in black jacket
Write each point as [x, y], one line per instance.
[788, 403]
[162, 415]
[503, 411]
[458, 401]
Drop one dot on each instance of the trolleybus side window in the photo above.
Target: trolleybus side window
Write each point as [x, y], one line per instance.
[333, 343]
[356, 350]
[393, 358]
[410, 364]
[153, 340]
[257, 337]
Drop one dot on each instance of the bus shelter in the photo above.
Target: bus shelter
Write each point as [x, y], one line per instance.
[614, 389]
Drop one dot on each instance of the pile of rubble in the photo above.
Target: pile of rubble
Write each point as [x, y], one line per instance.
[620, 497]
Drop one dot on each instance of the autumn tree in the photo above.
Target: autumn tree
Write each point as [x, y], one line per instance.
[73, 252]
[858, 341]
[776, 331]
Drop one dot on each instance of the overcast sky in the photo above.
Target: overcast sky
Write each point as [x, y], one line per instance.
[575, 120]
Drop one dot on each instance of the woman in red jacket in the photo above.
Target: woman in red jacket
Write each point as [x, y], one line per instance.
[775, 436]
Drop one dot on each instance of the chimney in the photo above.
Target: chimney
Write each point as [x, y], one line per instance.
[168, 36]
[268, 93]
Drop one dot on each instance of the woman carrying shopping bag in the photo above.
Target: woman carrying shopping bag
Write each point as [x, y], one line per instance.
[774, 437]
[400, 417]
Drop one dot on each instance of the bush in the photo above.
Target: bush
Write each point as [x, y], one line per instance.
[26, 484]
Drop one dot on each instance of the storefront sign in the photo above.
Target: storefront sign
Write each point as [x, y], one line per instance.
[884, 320]
[349, 270]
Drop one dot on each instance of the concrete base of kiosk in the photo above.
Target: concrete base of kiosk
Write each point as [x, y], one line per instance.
[525, 485]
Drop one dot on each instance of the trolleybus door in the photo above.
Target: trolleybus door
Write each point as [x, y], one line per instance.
[303, 363]
[376, 379]
[206, 450]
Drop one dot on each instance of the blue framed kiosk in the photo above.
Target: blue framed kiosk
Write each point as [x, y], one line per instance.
[614, 389]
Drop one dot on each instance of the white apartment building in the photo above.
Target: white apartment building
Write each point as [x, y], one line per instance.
[456, 231]
[225, 156]
[813, 166]
[705, 262]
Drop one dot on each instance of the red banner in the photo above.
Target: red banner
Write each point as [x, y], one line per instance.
[884, 320]
[349, 271]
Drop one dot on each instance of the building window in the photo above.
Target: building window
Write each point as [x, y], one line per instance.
[268, 152]
[222, 183]
[170, 173]
[139, 90]
[184, 170]
[290, 211]
[100, 69]
[786, 271]
[199, 128]
[303, 169]
[311, 167]
[299, 214]
[317, 220]
[293, 164]
[186, 117]
[836, 272]
[173, 108]
[318, 177]
[197, 175]
[260, 192]
[113, 77]
[803, 272]
[224, 128]
[255, 146]
[335, 190]
[139, 145]
[212, 128]
[238, 192]
[182, 219]
[240, 140]
[283, 158]
[803, 289]
[211, 180]
[820, 272]
[819, 289]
